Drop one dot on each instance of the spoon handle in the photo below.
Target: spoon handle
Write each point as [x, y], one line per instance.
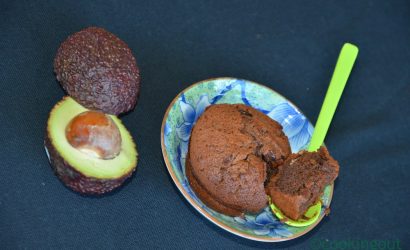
[341, 73]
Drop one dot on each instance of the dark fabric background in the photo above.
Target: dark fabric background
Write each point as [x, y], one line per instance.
[291, 46]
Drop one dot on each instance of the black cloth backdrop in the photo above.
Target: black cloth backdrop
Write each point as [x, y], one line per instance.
[290, 46]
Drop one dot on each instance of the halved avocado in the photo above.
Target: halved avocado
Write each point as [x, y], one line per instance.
[83, 173]
[98, 70]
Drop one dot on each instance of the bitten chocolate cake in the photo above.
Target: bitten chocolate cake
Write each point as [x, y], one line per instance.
[231, 149]
[301, 180]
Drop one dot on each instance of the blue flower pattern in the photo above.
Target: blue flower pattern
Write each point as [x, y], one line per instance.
[295, 126]
[183, 131]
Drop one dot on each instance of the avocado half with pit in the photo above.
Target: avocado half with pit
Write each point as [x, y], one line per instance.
[83, 172]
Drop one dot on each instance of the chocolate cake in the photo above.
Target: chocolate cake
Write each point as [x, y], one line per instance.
[301, 180]
[232, 149]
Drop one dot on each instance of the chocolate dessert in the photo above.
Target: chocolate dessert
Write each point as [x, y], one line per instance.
[232, 150]
[301, 180]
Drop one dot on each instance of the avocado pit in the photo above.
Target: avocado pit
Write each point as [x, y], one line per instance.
[95, 134]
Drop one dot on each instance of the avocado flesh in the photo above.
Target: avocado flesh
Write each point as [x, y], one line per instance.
[120, 166]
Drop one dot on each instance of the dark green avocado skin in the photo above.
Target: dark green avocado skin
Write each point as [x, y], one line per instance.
[75, 180]
[98, 70]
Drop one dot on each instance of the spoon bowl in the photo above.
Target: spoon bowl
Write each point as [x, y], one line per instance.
[310, 216]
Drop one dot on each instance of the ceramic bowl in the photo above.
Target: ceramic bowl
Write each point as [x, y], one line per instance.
[181, 116]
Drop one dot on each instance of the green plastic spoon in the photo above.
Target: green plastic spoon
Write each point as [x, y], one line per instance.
[341, 73]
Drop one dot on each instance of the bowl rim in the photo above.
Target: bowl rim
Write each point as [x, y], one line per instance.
[193, 203]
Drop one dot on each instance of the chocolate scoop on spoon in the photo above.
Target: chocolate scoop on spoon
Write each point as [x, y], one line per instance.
[341, 73]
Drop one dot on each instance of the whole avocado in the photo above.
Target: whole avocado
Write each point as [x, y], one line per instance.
[98, 70]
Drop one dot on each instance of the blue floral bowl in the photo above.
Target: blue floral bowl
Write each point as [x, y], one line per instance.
[182, 114]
